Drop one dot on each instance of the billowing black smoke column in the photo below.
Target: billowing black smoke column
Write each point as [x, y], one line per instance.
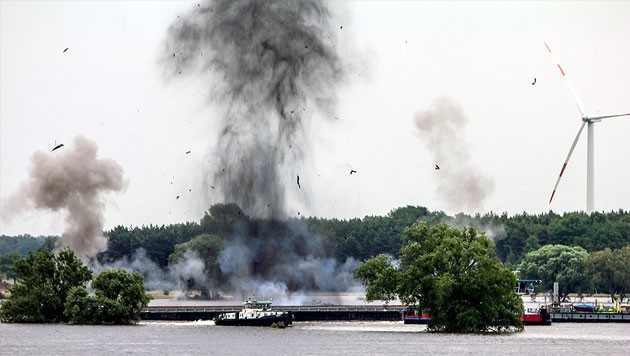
[272, 67]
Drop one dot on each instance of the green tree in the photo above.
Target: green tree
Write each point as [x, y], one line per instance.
[381, 278]
[119, 299]
[6, 265]
[207, 248]
[224, 220]
[453, 275]
[609, 271]
[566, 265]
[44, 282]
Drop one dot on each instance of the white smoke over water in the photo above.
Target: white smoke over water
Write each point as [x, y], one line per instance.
[73, 180]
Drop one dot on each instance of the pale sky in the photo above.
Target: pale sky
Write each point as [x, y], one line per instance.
[110, 88]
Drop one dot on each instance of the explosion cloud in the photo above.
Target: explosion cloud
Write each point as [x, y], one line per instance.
[73, 180]
[272, 67]
[272, 64]
[460, 184]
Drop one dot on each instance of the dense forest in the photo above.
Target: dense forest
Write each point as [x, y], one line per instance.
[514, 236]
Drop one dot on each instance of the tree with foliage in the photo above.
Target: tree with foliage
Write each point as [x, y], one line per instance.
[566, 265]
[44, 281]
[119, 299]
[451, 274]
[206, 248]
[224, 220]
[382, 278]
[6, 265]
[609, 271]
[51, 288]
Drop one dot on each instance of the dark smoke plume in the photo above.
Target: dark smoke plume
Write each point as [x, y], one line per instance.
[73, 180]
[271, 65]
[459, 182]
[278, 258]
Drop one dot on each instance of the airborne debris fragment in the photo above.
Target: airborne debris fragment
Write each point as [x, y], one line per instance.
[57, 147]
[534, 81]
[298, 182]
[437, 167]
[187, 152]
[66, 50]
[352, 171]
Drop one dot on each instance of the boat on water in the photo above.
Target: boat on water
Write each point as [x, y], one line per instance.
[588, 308]
[536, 316]
[530, 316]
[411, 316]
[255, 313]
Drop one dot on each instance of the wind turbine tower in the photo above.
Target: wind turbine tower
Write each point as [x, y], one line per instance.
[590, 154]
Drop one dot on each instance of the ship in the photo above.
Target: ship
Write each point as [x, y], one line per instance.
[530, 316]
[536, 316]
[255, 313]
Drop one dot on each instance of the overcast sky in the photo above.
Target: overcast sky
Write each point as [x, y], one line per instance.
[109, 86]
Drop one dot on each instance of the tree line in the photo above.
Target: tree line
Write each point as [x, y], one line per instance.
[514, 237]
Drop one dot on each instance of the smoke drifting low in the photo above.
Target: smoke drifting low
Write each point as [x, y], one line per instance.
[282, 258]
[70, 179]
[271, 65]
[459, 183]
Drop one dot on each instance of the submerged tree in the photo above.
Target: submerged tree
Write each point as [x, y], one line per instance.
[43, 283]
[453, 275]
[51, 288]
[119, 299]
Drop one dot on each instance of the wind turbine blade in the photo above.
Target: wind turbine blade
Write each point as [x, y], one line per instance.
[607, 116]
[567, 159]
[576, 97]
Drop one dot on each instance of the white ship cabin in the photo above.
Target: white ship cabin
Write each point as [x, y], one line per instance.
[526, 286]
[257, 304]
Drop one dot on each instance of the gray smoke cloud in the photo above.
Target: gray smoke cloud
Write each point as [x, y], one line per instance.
[73, 180]
[459, 183]
[284, 258]
[272, 66]
[154, 277]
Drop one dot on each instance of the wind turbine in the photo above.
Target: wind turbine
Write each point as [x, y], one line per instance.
[590, 157]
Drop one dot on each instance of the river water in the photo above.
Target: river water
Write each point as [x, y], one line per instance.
[307, 338]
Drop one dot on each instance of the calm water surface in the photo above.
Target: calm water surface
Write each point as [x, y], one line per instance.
[307, 338]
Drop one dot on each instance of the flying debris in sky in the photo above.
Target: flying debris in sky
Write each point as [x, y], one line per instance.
[534, 81]
[263, 60]
[66, 50]
[177, 197]
[437, 167]
[298, 182]
[352, 171]
[187, 152]
[57, 147]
